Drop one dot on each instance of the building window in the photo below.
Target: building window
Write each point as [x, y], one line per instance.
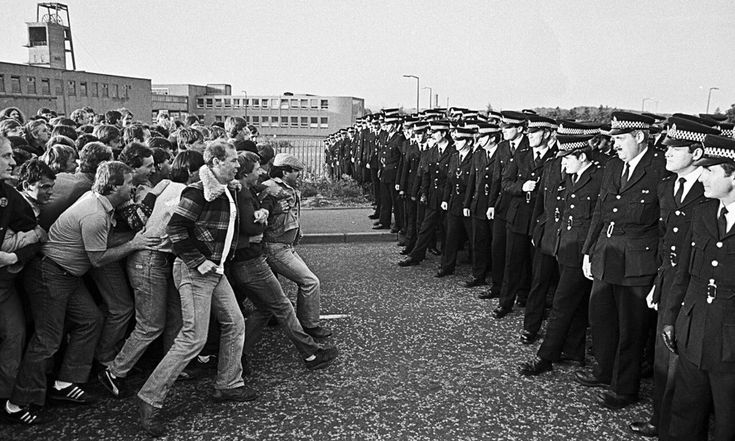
[256, 103]
[127, 87]
[304, 104]
[305, 121]
[2, 83]
[71, 87]
[218, 102]
[45, 86]
[314, 104]
[284, 104]
[264, 122]
[314, 122]
[295, 104]
[105, 90]
[31, 85]
[83, 88]
[236, 102]
[209, 103]
[218, 118]
[59, 87]
[274, 121]
[15, 84]
[256, 120]
[95, 89]
[325, 104]
[324, 122]
[294, 121]
[200, 103]
[115, 91]
[228, 102]
[274, 103]
[284, 121]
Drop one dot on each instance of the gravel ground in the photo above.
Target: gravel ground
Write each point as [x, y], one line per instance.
[421, 359]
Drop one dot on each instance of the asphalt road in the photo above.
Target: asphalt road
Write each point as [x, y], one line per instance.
[421, 359]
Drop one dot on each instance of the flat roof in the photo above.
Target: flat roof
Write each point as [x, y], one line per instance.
[68, 70]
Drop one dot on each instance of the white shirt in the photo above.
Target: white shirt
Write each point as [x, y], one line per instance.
[689, 181]
[730, 216]
[634, 162]
[230, 232]
[582, 170]
[540, 153]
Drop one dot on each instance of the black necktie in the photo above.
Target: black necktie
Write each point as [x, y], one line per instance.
[537, 161]
[624, 178]
[722, 222]
[679, 196]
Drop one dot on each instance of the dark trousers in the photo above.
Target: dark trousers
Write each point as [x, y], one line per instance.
[481, 246]
[399, 209]
[426, 237]
[387, 202]
[618, 320]
[459, 229]
[410, 225]
[696, 393]
[518, 255]
[664, 362]
[499, 235]
[567, 324]
[60, 302]
[545, 275]
[12, 333]
[375, 181]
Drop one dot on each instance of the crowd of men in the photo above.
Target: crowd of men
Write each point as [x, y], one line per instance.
[114, 233]
[624, 228]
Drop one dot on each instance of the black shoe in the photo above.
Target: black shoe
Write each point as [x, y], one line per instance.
[501, 312]
[394, 230]
[401, 243]
[565, 359]
[442, 273]
[474, 282]
[149, 419]
[374, 216]
[528, 337]
[27, 416]
[614, 401]
[381, 227]
[324, 357]
[409, 262]
[70, 394]
[643, 428]
[318, 332]
[405, 252]
[490, 294]
[535, 367]
[376, 223]
[113, 384]
[434, 251]
[589, 380]
[242, 393]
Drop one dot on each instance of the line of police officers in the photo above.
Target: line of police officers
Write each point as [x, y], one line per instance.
[608, 222]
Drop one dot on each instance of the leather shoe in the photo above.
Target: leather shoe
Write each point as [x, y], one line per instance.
[474, 282]
[501, 312]
[537, 366]
[643, 428]
[565, 359]
[441, 273]
[434, 251]
[409, 262]
[374, 216]
[588, 380]
[528, 337]
[381, 227]
[488, 295]
[614, 401]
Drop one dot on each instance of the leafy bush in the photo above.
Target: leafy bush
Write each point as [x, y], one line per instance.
[346, 190]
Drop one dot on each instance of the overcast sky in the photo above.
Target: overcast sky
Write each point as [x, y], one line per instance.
[511, 54]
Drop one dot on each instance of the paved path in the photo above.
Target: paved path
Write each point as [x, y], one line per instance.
[329, 225]
[421, 359]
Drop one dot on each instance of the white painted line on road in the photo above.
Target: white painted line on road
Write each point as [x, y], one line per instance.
[333, 316]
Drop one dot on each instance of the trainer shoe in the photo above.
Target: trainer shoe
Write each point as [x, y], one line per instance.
[242, 393]
[71, 394]
[27, 415]
[111, 383]
[323, 358]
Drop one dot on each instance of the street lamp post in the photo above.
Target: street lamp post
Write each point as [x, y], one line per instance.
[709, 96]
[418, 88]
[431, 93]
[643, 103]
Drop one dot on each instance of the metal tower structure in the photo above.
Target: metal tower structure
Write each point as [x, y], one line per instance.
[48, 37]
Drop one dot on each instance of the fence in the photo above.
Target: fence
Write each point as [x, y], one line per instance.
[309, 151]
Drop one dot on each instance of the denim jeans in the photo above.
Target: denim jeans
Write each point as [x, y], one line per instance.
[157, 307]
[285, 261]
[199, 295]
[117, 308]
[255, 278]
[61, 304]
[12, 333]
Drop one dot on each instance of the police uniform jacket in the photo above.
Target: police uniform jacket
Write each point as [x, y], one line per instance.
[433, 181]
[421, 170]
[521, 169]
[580, 199]
[549, 207]
[478, 194]
[390, 157]
[675, 221]
[704, 294]
[457, 183]
[410, 169]
[623, 238]
[401, 162]
[498, 198]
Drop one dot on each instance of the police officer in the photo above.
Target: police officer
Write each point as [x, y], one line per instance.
[409, 183]
[620, 254]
